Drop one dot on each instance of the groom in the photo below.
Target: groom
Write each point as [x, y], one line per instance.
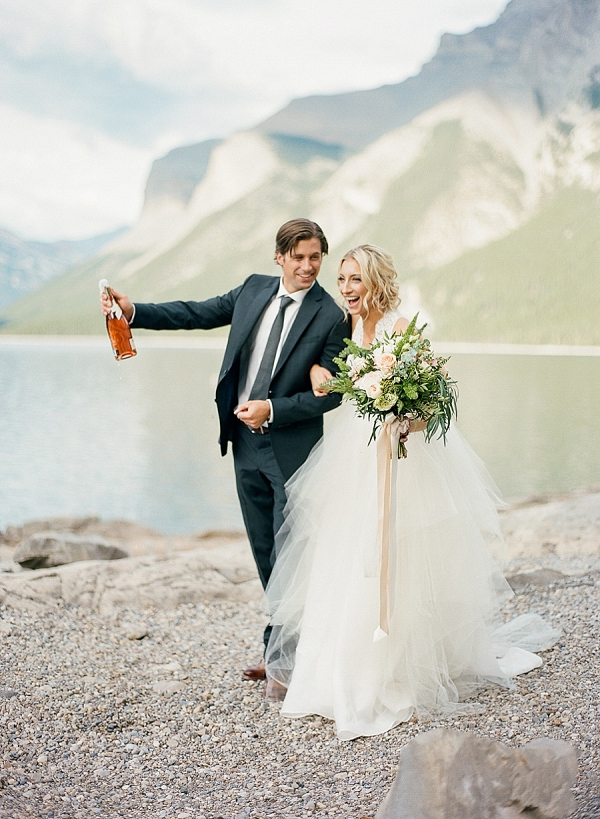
[280, 327]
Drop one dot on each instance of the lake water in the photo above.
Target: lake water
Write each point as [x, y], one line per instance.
[80, 434]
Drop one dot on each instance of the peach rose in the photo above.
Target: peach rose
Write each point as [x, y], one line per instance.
[384, 360]
[371, 384]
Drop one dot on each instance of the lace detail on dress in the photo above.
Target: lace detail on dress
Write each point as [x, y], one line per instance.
[383, 326]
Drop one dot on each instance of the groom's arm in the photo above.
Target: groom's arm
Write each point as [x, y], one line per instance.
[187, 315]
[305, 404]
[301, 406]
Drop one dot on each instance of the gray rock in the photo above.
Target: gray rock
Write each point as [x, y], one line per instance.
[563, 525]
[540, 578]
[6, 693]
[136, 631]
[168, 687]
[223, 573]
[5, 628]
[102, 773]
[47, 549]
[448, 774]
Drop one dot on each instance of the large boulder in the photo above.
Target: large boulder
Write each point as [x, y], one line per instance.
[47, 549]
[563, 524]
[214, 572]
[447, 774]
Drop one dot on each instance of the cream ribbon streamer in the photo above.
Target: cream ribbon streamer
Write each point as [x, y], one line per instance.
[387, 474]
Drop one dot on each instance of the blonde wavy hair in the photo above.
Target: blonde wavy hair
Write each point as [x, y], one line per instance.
[378, 275]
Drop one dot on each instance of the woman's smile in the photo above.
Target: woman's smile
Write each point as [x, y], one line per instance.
[352, 288]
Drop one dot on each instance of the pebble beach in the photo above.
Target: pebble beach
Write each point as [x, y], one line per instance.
[144, 715]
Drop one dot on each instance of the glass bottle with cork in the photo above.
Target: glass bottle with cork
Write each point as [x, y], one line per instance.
[117, 327]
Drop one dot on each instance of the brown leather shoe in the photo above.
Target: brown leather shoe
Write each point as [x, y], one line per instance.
[274, 691]
[255, 673]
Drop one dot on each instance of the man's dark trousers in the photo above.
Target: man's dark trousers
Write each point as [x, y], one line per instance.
[261, 491]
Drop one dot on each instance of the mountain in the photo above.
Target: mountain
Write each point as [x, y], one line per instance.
[545, 50]
[193, 249]
[26, 265]
[481, 175]
[176, 175]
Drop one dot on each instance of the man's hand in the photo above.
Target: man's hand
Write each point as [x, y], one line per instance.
[253, 413]
[122, 300]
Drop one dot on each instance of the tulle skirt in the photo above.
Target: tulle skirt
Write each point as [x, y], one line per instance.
[445, 639]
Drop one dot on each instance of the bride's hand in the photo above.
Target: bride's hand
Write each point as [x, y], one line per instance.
[417, 425]
[413, 426]
[318, 375]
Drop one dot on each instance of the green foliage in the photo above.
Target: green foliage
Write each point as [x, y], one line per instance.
[538, 285]
[215, 256]
[400, 376]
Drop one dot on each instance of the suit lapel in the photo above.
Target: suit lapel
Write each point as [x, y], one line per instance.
[241, 330]
[308, 310]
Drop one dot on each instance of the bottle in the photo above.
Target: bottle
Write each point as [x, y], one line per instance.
[118, 328]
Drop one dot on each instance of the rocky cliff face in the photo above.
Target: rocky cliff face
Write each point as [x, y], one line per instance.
[176, 175]
[481, 175]
[544, 52]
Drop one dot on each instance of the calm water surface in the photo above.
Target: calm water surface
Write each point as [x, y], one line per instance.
[82, 435]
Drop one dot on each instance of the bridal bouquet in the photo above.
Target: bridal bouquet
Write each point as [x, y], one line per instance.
[398, 376]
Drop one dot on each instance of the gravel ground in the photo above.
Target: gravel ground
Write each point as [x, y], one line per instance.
[94, 722]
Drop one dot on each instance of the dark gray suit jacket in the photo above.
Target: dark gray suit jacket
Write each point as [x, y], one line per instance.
[316, 336]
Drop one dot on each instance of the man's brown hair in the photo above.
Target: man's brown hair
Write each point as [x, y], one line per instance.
[295, 231]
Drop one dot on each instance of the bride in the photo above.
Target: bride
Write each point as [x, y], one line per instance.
[444, 640]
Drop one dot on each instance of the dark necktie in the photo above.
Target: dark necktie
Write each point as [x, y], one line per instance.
[262, 382]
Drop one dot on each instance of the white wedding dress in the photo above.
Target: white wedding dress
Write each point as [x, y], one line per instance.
[445, 639]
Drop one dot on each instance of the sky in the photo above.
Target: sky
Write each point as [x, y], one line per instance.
[91, 91]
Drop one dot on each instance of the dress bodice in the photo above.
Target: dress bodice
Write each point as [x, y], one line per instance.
[384, 325]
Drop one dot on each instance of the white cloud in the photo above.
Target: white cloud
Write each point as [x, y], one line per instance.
[60, 180]
[270, 46]
[184, 70]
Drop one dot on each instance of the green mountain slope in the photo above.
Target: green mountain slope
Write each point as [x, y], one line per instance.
[66, 305]
[435, 176]
[539, 285]
[487, 196]
[214, 257]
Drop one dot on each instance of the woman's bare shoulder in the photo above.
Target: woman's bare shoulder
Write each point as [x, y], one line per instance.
[401, 324]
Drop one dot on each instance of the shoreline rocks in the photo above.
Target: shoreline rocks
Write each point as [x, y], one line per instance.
[121, 691]
[223, 572]
[164, 571]
[45, 550]
[562, 524]
[132, 714]
[449, 774]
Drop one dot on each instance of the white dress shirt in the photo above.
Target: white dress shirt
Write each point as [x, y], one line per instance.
[258, 340]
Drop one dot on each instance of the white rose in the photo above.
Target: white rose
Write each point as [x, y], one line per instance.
[371, 384]
[356, 363]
